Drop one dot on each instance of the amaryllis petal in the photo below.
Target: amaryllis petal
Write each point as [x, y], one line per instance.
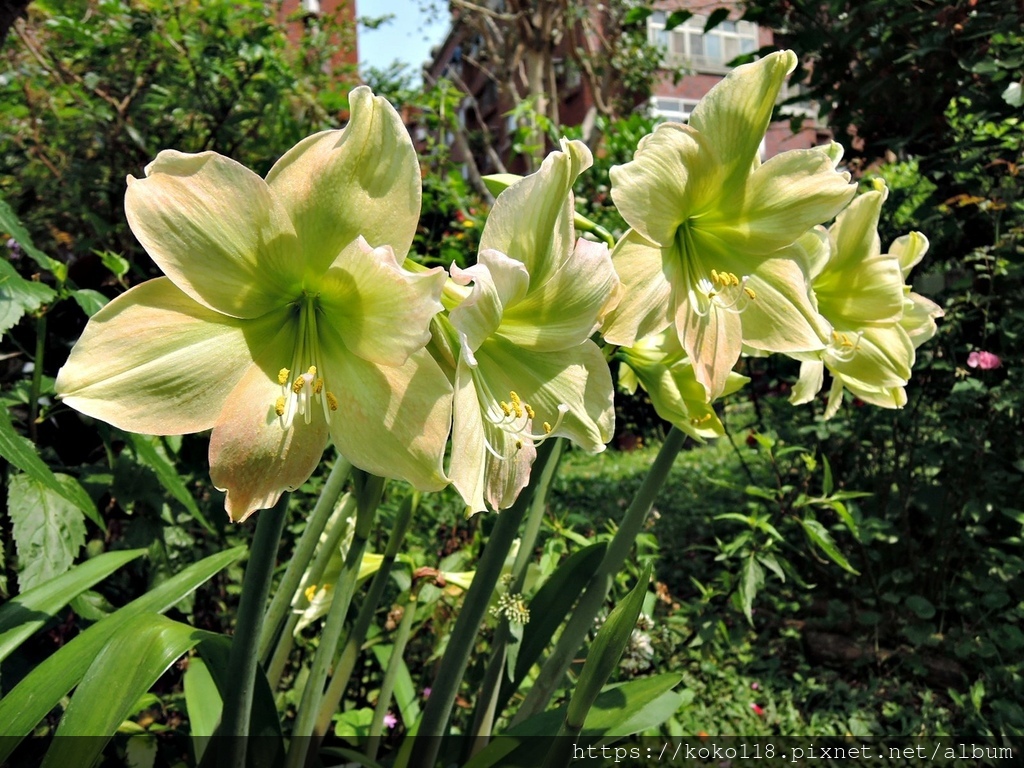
[497, 282]
[216, 230]
[919, 315]
[251, 456]
[532, 220]
[380, 310]
[673, 174]
[812, 376]
[909, 249]
[392, 421]
[713, 340]
[782, 316]
[564, 310]
[781, 200]
[179, 379]
[361, 180]
[489, 465]
[646, 272]
[881, 358]
[734, 115]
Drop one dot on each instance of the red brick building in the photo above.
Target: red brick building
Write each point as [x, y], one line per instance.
[702, 57]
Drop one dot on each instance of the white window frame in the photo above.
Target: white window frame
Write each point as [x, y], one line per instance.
[679, 46]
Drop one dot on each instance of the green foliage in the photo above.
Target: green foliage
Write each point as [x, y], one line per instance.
[87, 104]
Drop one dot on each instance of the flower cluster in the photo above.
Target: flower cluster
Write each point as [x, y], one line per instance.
[289, 314]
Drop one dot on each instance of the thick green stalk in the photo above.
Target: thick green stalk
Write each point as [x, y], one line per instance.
[486, 706]
[346, 663]
[387, 687]
[590, 603]
[243, 660]
[437, 712]
[300, 557]
[368, 497]
[316, 569]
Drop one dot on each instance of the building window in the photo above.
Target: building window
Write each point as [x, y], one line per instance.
[670, 109]
[688, 46]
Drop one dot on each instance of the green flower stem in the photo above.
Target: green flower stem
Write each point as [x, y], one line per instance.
[312, 694]
[282, 650]
[387, 687]
[453, 664]
[313, 575]
[483, 719]
[582, 619]
[300, 557]
[37, 376]
[346, 663]
[242, 662]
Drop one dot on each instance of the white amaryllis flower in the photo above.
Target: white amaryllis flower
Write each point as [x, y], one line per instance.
[284, 317]
[709, 249]
[526, 367]
[877, 321]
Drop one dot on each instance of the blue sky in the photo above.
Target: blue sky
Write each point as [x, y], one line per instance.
[408, 37]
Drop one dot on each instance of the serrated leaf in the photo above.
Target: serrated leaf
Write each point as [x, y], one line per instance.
[19, 296]
[751, 581]
[677, 18]
[111, 687]
[115, 262]
[89, 300]
[21, 453]
[146, 452]
[25, 614]
[9, 222]
[823, 539]
[48, 530]
[772, 563]
[48, 682]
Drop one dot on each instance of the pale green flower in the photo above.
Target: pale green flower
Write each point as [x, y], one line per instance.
[526, 366]
[284, 317]
[659, 364]
[877, 322]
[709, 249]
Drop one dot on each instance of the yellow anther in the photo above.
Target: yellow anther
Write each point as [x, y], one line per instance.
[312, 370]
[310, 593]
[529, 410]
[298, 384]
[332, 401]
[517, 409]
[505, 408]
[749, 292]
[318, 386]
[547, 428]
[282, 376]
[715, 277]
[514, 398]
[698, 420]
[279, 406]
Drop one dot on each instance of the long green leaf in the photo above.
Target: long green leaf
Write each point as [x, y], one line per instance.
[621, 710]
[548, 610]
[168, 476]
[605, 651]
[126, 668]
[23, 615]
[43, 687]
[22, 454]
[264, 722]
[203, 704]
